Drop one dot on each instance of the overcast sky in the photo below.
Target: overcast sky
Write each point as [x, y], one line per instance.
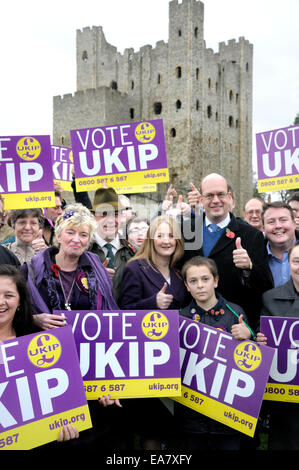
[38, 51]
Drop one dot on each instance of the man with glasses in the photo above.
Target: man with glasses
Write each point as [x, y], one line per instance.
[237, 248]
[253, 212]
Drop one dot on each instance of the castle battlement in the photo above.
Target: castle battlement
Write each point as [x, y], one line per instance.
[203, 97]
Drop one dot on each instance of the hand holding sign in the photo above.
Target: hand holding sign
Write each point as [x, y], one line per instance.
[47, 321]
[163, 300]
[240, 330]
[240, 256]
[261, 339]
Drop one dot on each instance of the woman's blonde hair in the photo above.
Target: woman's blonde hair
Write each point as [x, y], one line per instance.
[75, 215]
[147, 249]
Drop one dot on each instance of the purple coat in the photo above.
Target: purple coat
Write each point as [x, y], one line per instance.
[141, 283]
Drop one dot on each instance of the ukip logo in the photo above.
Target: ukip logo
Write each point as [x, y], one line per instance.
[247, 356]
[44, 350]
[155, 325]
[28, 148]
[145, 132]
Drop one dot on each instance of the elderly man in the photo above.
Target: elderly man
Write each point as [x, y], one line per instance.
[253, 212]
[280, 232]
[114, 251]
[237, 248]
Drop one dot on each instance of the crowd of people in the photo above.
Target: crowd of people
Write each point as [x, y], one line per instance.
[103, 255]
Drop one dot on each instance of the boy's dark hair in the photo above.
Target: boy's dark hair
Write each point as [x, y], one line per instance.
[200, 261]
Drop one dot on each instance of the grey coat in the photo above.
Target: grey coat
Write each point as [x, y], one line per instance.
[282, 301]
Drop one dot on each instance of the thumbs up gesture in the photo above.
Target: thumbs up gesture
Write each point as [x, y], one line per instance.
[110, 271]
[193, 195]
[163, 300]
[240, 256]
[183, 207]
[167, 203]
[240, 330]
[38, 243]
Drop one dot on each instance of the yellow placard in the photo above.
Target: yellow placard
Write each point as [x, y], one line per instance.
[45, 430]
[66, 185]
[135, 178]
[133, 388]
[282, 392]
[29, 200]
[225, 414]
[279, 183]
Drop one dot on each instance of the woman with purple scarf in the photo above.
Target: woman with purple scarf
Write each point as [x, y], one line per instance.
[66, 276]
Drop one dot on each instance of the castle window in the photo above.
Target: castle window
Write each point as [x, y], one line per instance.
[159, 78]
[179, 32]
[230, 121]
[196, 31]
[231, 95]
[237, 123]
[62, 140]
[216, 116]
[209, 83]
[157, 108]
[209, 111]
[84, 56]
[113, 85]
[173, 132]
[132, 85]
[197, 73]
[247, 67]
[132, 113]
[178, 104]
[237, 97]
[197, 105]
[178, 72]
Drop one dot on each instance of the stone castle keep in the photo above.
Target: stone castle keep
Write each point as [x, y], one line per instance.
[204, 98]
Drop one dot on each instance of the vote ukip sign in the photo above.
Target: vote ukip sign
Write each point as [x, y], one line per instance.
[128, 353]
[120, 155]
[41, 389]
[26, 176]
[222, 378]
[282, 334]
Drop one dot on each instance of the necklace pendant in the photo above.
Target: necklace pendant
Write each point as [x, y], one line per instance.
[68, 306]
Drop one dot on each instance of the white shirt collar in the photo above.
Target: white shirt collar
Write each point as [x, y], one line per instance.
[100, 241]
[222, 224]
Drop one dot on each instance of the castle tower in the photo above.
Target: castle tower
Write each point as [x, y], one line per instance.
[204, 98]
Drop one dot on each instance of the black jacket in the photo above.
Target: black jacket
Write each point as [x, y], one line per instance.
[242, 290]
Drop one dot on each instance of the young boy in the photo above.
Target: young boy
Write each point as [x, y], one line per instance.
[208, 307]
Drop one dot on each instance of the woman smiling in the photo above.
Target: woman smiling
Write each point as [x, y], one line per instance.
[67, 276]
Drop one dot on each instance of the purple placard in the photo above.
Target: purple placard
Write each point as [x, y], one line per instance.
[278, 158]
[62, 166]
[282, 334]
[222, 378]
[121, 154]
[26, 177]
[128, 348]
[41, 383]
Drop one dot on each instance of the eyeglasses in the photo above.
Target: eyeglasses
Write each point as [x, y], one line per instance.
[210, 197]
[138, 230]
[23, 223]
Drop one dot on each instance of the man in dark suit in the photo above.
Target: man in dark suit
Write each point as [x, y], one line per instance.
[237, 248]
